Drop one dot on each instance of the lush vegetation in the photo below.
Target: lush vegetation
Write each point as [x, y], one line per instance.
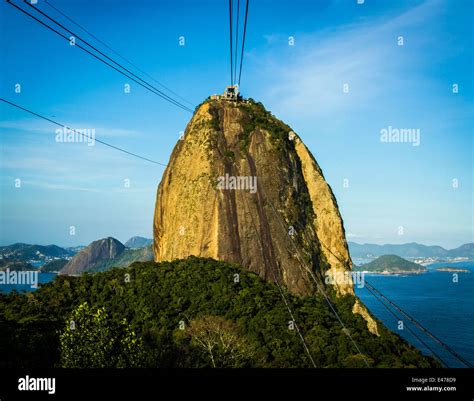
[17, 265]
[215, 120]
[26, 252]
[392, 264]
[259, 117]
[92, 339]
[186, 313]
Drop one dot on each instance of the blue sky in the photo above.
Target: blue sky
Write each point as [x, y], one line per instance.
[336, 42]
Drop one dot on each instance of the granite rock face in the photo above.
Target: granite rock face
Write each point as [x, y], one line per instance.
[240, 186]
[97, 251]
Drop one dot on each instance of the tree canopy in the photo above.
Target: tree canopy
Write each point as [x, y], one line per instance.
[186, 313]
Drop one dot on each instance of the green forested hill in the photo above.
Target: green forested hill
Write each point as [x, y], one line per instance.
[25, 252]
[16, 265]
[160, 315]
[391, 264]
[54, 266]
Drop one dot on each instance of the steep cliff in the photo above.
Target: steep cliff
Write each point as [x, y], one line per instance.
[242, 187]
[90, 256]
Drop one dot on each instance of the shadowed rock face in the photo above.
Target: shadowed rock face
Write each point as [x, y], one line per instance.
[279, 218]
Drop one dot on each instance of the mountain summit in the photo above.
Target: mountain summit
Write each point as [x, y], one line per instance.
[103, 249]
[242, 187]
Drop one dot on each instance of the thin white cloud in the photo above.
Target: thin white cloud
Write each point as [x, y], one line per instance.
[134, 188]
[77, 167]
[36, 126]
[53, 186]
[352, 235]
[364, 55]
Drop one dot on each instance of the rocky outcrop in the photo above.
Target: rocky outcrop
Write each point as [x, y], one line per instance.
[241, 187]
[90, 256]
[327, 221]
[360, 309]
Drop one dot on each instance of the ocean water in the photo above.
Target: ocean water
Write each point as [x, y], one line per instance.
[444, 307]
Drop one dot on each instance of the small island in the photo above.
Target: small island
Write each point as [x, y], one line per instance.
[391, 264]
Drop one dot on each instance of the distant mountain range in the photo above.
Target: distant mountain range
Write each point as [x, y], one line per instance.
[410, 250]
[26, 252]
[109, 252]
[75, 249]
[98, 256]
[138, 242]
[54, 266]
[127, 257]
[104, 254]
[391, 264]
[16, 265]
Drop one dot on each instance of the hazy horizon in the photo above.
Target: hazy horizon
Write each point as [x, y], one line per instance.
[151, 238]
